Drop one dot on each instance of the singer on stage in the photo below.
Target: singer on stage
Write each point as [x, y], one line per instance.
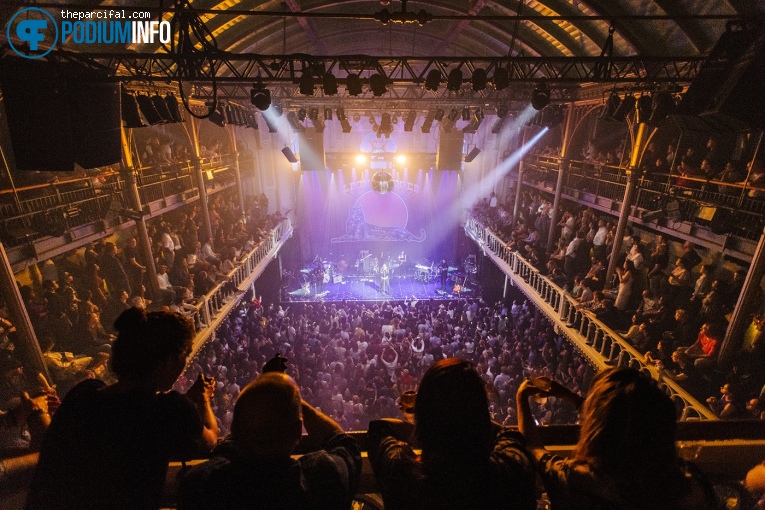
[385, 279]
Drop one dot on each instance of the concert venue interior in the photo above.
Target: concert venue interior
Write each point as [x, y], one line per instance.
[545, 188]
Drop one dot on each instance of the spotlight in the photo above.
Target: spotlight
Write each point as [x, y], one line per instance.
[130, 116]
[313, 114]
[356, 117]
[173, 108]
[377, 84]
[612, 103]
[540, 96]
[479, 79]
[301, 114]
[341, 114]
[327, 113]
[329, 84]
[394, 118]
[454, 114]
[470, 156]
[306, 83]
[294, 122]
[428, 122]
[624, 109]
[466, 113]
[410, 120]
[400, 159]
[454, 81]
[386, 128]
[289, 155]
[360, 159]
[478, 115]
[345, 125]
[502, 111]
[663, 105]
[501, 78]
[260, 96]
[353, 84]
[433, 80]
[439, 114]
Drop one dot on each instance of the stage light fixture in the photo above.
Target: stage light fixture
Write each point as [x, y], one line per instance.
[502, 111]
[345, 125]
[306, 83]
[479, 79]
[394, 117]
[327, 113]
[313, 114]
[501, 79]
[439, 114]
[612, 103]
[478, 115]
[217, 117]
[428, 122]
[260, 96]
[644, 107]
[329, 84]
[470, 156]
[172, 106]
[130, 115]
[353, 84]
[497, 126]
[386, 127]
[360, 159]
[377, 84]
[454, 81]
[356, 117]
[294, 122]
[625, 108]
[400, 159]
[301, 114]
[433, 80]
[289, 155]
[454, 114]
[465, 113]
[410, 120]
[341, 114]
[540, 96]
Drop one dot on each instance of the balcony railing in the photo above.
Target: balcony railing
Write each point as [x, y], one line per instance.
[601, 345]
[213, 307]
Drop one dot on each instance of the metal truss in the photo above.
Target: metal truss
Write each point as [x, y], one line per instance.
[286, 69]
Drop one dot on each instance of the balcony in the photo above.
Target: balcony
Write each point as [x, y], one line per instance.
[597, 342]
[43, 221]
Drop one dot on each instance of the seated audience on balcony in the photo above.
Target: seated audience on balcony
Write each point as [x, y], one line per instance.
[626, 455]
[252, 468]
[728, 405]
[108, 446]
[703, 352]
[467, 460]
[756, 180]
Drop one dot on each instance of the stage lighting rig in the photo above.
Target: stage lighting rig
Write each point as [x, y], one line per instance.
[410, 120]
[433, 80]
[130, 115]
[428, 122]
[260, 96]
[306, 83]
[386, 128]
[540, 96]
[377, 84]
[329, 84]
[327, 113]
[301, 114]
[454, 114]
[465, 113]
[454, 81]
[313, 114]
[470, 156]
[479, 79]
[353, 84]
[439, 114]
[501, 78]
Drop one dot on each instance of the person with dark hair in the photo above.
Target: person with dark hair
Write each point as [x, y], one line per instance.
[253, 468]
[626, 455]
[108, 446]
[467, 461]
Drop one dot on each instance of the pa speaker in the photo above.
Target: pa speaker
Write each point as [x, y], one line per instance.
[36, 100]
[470, 156]
[721, 222]
[289, 155]
[96, 122]
[449, 155]
[312, 150]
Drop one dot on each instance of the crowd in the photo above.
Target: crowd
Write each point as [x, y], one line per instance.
[354, 360]
[74, 299]
[667, 303]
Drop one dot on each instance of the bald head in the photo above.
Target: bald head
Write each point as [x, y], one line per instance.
[267, 418]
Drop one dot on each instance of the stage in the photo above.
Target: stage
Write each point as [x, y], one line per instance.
[359, 288]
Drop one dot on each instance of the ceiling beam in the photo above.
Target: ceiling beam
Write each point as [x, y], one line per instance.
[307, 26]
[452, 35]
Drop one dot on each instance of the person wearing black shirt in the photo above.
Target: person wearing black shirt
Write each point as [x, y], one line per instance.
[443, 272]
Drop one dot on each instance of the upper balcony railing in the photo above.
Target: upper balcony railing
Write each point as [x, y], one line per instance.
[601, 345]
[678, 198]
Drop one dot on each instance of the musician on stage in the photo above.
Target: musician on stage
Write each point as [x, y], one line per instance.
[385, 279]
[443, 272]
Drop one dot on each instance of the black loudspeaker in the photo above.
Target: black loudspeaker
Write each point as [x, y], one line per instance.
[311, 150]
[726, 91]
[449, 155]
[721, 222]
[36, 100]
[96, 122]
[474, 152]
[289, 155]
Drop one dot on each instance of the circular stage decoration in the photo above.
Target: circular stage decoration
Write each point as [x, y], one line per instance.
[382, 183]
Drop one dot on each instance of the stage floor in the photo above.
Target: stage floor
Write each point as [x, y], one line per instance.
[364, 289]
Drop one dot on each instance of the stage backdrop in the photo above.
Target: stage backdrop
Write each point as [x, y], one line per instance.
[343, 212]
